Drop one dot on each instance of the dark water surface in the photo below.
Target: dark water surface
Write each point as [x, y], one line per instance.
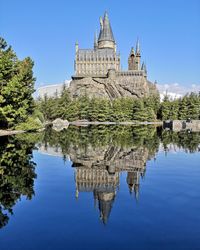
[100, 188]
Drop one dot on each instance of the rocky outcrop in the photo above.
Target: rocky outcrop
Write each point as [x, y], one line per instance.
[109, 88]
[59, 124]
[178, 125]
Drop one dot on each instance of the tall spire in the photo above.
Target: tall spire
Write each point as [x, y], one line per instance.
[95, 41]
[144, 68]
[106, 33]
[132, 51]
[106, 38]
[138, 47]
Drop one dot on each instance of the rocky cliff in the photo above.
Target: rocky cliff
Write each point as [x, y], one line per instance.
[121, 86]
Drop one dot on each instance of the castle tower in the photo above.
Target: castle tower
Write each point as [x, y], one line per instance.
[138, 56]
[103, 57]
[131, 60]
[95, 41]
[76, 47]
[144, 69]
[76, 56]
[106, 38]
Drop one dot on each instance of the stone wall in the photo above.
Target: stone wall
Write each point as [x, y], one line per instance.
[193, 125]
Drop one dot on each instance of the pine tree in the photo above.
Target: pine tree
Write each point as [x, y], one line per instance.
[139, 112]
[183, 108]
[165, 109]
[193, 106]
[16, 87]
[173, 110]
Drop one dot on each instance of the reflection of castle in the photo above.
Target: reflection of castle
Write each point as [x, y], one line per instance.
[101, 183]
[102, 176]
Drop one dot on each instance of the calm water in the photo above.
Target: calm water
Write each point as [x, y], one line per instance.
[100, 188]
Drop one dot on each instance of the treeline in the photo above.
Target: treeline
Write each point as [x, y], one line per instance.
[119, 110]
[96, 109]
[187, 107]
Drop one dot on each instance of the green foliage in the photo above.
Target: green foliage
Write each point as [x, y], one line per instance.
[31, 124]
[120, 109]
[16, 87]
[97, 109]
[182, 109]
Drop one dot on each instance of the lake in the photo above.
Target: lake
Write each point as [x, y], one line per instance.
[100, 187]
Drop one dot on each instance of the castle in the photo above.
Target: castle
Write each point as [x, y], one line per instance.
[98, 71]
[97, 62]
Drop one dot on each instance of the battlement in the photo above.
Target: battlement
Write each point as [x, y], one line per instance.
[131, 73]
[112, 73]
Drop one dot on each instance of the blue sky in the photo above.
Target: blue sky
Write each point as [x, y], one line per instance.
[46, 30]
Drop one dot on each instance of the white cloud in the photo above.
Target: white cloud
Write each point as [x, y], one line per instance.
[176, 90]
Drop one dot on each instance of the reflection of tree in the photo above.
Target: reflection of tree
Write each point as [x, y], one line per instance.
[102, 135]
[16, 172]
[186, 140]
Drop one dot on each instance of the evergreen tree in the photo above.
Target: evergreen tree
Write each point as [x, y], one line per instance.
[183, 108]
[193, 106]
[165, 109]
[139, 112]
[63, 104]
[173, 110]
[16, 87]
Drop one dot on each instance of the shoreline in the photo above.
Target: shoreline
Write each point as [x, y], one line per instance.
[85, 123]
[81, 123]
[10, 132]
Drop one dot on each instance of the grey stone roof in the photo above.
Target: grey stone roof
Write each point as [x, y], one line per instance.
[106, 33]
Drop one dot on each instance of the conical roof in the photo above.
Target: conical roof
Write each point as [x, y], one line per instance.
[106, 33]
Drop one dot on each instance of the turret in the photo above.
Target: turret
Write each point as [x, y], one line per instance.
[95, 41]
[75, 65]
[131, 60]
[138, 56]
[76, 47]
[144, 69]
[106, 38]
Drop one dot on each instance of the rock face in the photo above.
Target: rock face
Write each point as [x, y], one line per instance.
[59, 124]
[111, 88]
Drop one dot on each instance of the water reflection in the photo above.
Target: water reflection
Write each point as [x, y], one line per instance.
[17, 173]
[98, 154]
[98, 171]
